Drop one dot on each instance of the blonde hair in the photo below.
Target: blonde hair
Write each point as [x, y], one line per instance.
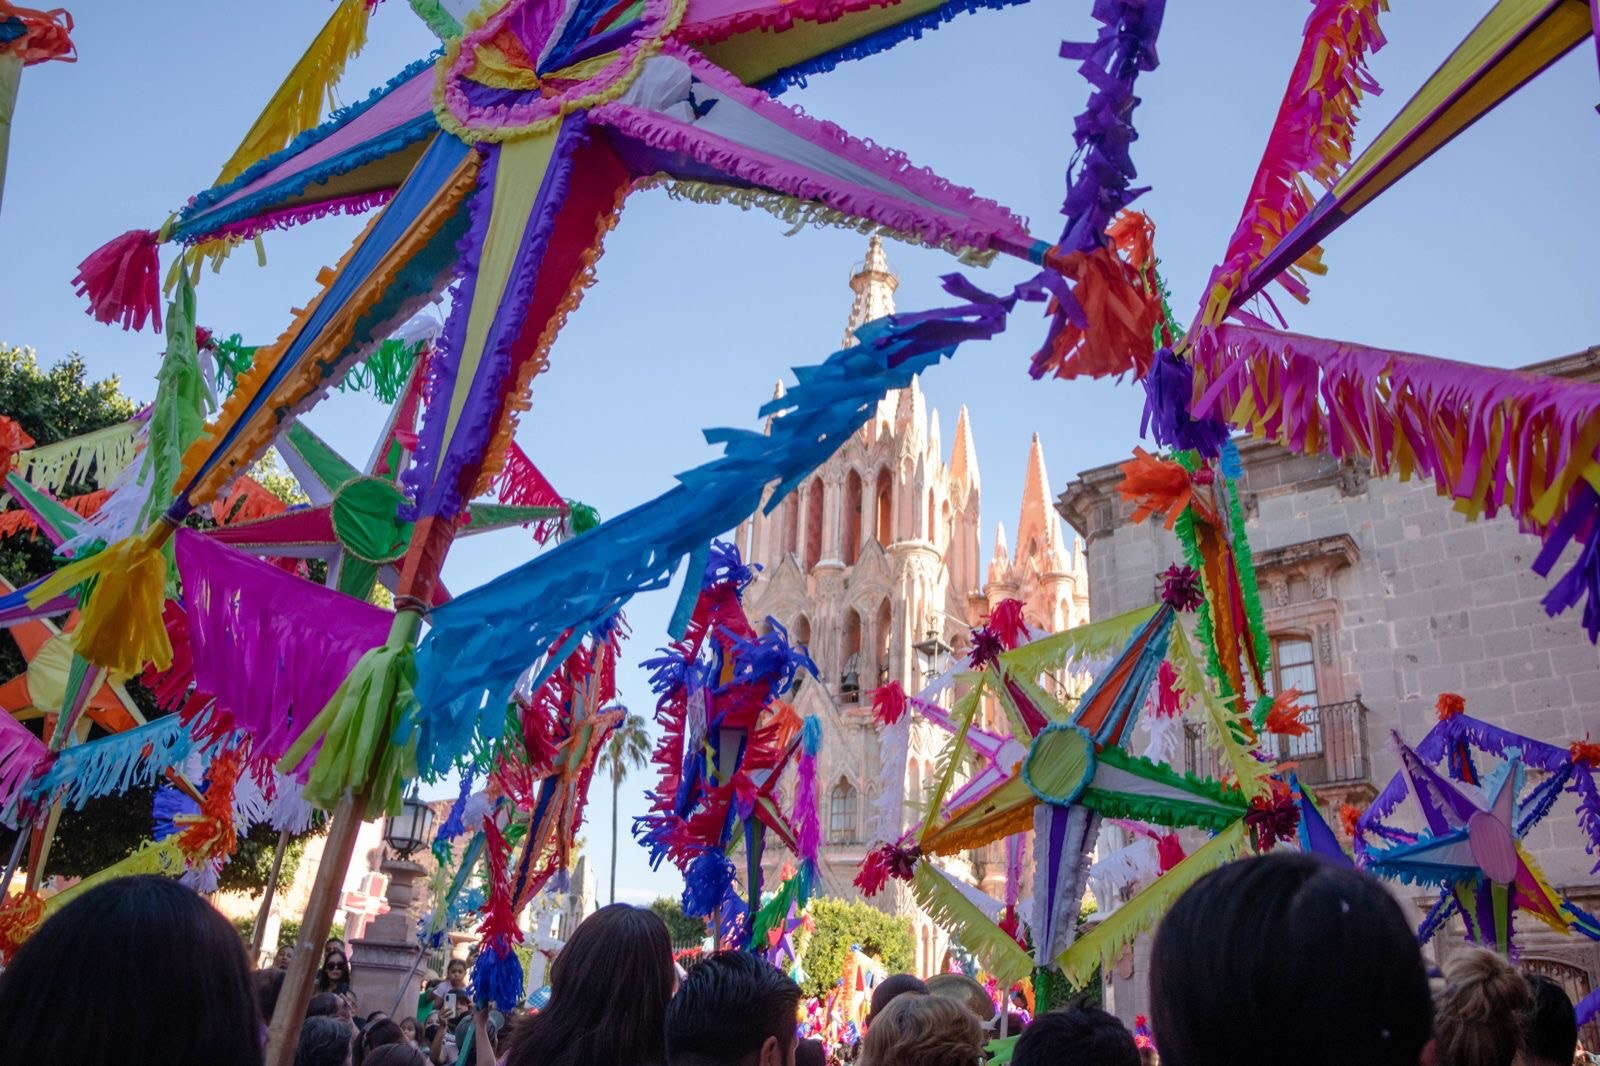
[923, 1031]
[1478, 1014]
[964, 990]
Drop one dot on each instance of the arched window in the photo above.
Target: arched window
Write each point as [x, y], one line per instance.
[791, 524]
[946, 525]
[852, 518]
[801, 634]
[885, 508]
[931, 512]
[813, 524]
[850, 681]
[842, 814]
[881, 633]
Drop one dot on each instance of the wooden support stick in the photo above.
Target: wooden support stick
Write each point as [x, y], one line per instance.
[260, 931]
[283, 1035]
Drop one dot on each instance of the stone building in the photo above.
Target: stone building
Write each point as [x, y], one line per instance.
[1379, 596]
[874, 565]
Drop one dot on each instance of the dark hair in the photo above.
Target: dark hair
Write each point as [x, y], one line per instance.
[104, 952]
[1085, 1036]
[1550, 1032]
[395, 1055]
[324, 1041]
[328, 984]
[1480, 1010]
[810, 1052]
[884, 992]
[322, 1005]
[1289, 944]
[609, 988]
[727, 1008]
[381, 1032]
[268, 984]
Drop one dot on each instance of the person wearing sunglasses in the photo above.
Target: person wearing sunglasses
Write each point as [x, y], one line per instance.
[335, 976]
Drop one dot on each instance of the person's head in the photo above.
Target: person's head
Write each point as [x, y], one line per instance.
[1084, 1036]
[323, 1005]
[381, 1032]
[1480, 1010]
[810, 1053]
[886, 990]
[966, 991]
[395, 1055]
[268, 983]
[923, 1031]
[408, 1026]
[335, 970]
[284, 957]
[1246, 943]
[324, 1041]
[1018, 999]
[734, 1009]
[376, 1016]
[609, 988]
[1550, 1030]
[335, 944]
[456, 973]
[99, 958]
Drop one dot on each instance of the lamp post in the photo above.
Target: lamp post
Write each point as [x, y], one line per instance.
[933, 655]
[386, 956]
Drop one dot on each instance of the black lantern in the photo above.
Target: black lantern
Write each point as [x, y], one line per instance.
[933, 654]
[410, 829]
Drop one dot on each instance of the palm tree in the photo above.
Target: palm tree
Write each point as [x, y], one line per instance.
[626, 750]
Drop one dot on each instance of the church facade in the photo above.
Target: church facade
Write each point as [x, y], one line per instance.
[874, 565]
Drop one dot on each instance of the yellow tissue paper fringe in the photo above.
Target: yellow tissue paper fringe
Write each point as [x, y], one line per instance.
[152, 858]
[1102, 944]
[107, 451]
[120, 625]
[965, 709]
[957, 915]
[298, 103]
[798, 214]
[1226, 726]
[1098, 638]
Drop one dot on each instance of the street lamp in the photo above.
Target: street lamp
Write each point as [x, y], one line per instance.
[411, 829]
[933, 654]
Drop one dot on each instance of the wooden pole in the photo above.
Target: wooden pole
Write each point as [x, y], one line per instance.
[283, 1034]
[258, 934]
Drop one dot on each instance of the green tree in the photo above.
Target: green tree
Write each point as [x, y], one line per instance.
[52, 405]
[841, 924]
[626, 749]
[686, 932]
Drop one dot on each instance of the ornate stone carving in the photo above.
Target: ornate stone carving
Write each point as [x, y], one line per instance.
[1280, 592]
[1325, 643]
[1319, 584]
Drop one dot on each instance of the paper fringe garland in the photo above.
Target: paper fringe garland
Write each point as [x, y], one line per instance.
[1102, 944]
[943, 901]
[1311, 138]
[96, 457]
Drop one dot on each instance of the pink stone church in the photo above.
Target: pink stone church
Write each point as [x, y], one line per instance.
[874, 565]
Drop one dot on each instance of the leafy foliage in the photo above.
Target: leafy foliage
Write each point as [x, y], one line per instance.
[841, 924]
[61, 402]
[685, 931]
[289, 932]
[250, 866]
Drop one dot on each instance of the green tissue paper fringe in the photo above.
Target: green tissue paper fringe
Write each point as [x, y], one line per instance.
[367, 728]
[384, 373]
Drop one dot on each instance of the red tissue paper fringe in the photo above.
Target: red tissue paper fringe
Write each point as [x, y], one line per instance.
[122, 280]
[1007, 623]
[889, 703]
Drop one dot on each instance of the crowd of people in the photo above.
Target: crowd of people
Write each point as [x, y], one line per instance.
[1282, 958]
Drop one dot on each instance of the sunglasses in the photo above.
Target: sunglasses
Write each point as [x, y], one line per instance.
[337, 966]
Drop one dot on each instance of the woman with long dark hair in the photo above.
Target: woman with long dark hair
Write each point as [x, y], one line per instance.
[79, 991]
[335, 976]
[609, 989]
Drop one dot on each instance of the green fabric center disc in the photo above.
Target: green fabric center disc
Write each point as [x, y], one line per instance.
[366, 520]
[1060, 764]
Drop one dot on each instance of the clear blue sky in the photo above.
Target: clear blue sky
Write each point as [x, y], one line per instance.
[1483, 255]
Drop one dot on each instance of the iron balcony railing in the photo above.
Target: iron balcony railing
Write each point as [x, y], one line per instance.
[1334, 752]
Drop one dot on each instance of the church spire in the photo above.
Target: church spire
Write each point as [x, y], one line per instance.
[874, 283]
[964, 454]
[1038, 534]
[1000, 565]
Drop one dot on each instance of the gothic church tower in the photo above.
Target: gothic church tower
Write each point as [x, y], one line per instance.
[876, 554]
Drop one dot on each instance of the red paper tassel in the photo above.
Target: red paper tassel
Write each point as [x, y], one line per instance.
[1006, 622]
[122, 279]
[1585, 752]
[1284, 717]
[1450, 705]
[889, 703]
[1159, 486]
[13, 439]
[1349, 818]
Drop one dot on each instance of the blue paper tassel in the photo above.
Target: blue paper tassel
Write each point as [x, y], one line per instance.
[169, 804]
[497, 977]
[811, 735]
[707, 882]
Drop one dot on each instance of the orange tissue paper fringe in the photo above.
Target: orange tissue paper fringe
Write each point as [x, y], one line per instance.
[1450, 705]
[1284, 717]
[13, 439]
[19, 520]
[1121, 307]
[211, 834]
[20, 916]
[1586, 752]
[1157, 485]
